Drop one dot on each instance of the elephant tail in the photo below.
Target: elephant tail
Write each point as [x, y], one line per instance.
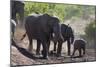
[23, 37]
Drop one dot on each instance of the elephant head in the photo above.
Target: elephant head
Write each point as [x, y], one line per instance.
[54, 26]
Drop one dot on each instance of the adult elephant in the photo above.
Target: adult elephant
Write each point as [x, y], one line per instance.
[17, 7]
[40, 27]
[68, 36]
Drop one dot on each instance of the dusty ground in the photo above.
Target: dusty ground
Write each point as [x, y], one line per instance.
[17, 58]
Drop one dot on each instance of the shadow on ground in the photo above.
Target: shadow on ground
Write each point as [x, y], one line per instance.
[24, 51]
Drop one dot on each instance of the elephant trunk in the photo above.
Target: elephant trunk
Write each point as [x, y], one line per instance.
[72, 39]
[57, 31]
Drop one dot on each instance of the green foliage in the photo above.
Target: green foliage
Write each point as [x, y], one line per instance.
[31, 7]
[90, 30]
[72, 11]
[63, 11]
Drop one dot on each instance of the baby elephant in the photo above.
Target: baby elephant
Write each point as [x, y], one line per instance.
[79, 45]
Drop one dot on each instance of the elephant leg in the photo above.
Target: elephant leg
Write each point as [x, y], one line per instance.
[48, 46]
[68, 42]
[83, 50]
[79, 52]
[30, 45]
[73, 52]
[45, 50]
[54, 46]
[38, 47]
[59, 48]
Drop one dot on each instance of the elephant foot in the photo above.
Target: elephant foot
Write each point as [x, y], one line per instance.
[37, 53]
[45, 56]
[80, 56]
[76, 56]
[58, 55]
[72, 56]
[52, 52]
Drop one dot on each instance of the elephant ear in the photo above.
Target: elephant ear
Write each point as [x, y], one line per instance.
[47, 19]
[44, 18]
[53, 21]
[44, 22]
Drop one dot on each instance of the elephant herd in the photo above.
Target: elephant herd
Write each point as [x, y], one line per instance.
[45, 28]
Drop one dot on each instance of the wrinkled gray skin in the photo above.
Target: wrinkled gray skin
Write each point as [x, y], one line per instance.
[40, 28]
[68, 36]
[79, 45]
[17, 7]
